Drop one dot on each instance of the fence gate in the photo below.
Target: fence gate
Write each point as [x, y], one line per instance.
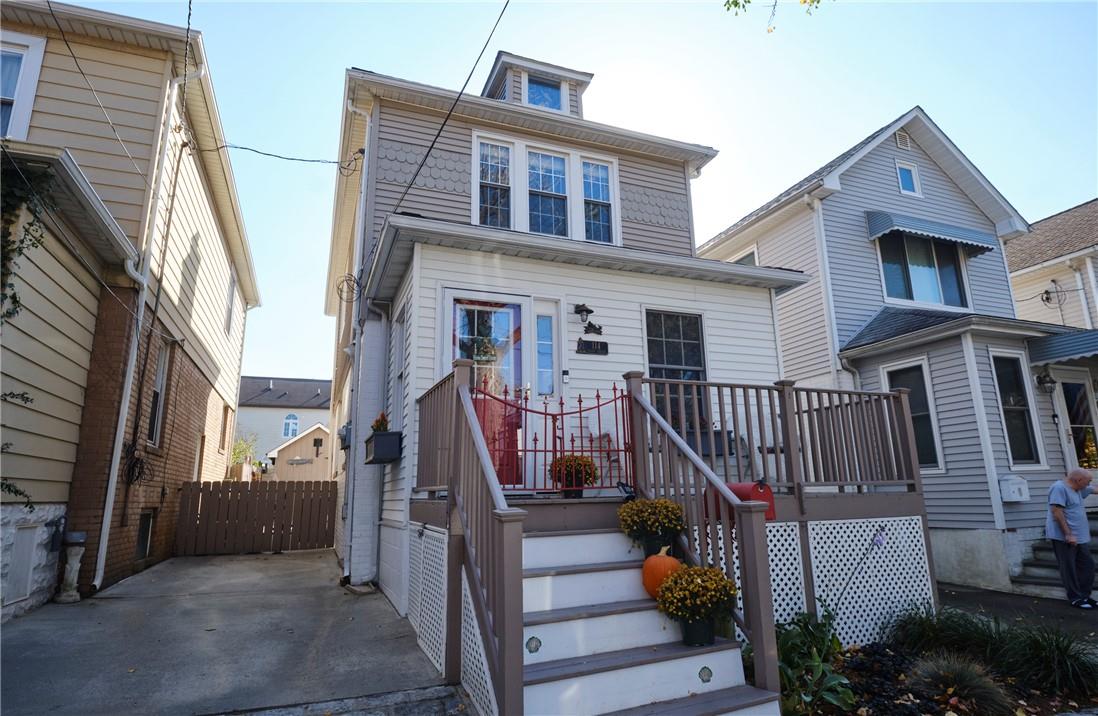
[243, 517]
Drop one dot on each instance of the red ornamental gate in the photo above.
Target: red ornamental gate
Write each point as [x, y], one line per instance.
[524, 437]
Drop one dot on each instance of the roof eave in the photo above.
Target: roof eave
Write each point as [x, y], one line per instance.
[963, 323]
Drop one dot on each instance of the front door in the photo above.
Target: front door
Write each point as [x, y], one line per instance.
[1075, 409]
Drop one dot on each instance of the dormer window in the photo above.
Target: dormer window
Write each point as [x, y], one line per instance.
[542, 92]
[908, 176]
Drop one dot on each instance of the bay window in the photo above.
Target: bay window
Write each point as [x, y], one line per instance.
[922, 270]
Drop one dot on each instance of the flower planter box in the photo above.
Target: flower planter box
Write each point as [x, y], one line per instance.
[383, 447]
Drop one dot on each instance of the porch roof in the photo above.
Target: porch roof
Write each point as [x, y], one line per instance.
[883, 222]
[402, 232]
[1062, 347]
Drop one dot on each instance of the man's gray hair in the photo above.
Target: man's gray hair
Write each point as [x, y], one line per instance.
[1080, 474]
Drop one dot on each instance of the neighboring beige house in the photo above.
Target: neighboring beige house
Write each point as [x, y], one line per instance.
[275, 410]
[130, 336]
[303, 457]
[1054, 268]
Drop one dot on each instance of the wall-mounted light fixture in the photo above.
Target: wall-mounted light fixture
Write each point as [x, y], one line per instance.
[583, 311]
[1046, 383]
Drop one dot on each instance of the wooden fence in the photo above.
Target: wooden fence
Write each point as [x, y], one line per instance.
[245, 517]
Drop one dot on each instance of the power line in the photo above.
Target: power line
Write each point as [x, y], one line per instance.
[95, 94]
[346, 168]
[186, 62]
[453, 106]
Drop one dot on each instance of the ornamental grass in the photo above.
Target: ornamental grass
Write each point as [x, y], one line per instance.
[694, 594]
[650, 518]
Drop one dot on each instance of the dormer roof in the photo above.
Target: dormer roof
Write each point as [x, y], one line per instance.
[505, 60]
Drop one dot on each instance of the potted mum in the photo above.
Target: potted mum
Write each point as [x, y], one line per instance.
[573, 473]
[383, 445]
[651, 524]
[695, 597]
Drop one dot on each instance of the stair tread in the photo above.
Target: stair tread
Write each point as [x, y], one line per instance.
[1039, 562]
[582, 568]
[586, 611]
[1047, 581]
[706, 704]
[612, 660]
[571, 533]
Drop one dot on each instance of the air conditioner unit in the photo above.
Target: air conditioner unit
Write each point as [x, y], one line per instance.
[1013, 488]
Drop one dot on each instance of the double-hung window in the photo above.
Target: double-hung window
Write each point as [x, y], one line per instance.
[922, 270]
[548, 182]
[675, 352]
[1015, 403]
[495, 185]
[596, 203]
[914, 378]
[20, 62]
[160, 386]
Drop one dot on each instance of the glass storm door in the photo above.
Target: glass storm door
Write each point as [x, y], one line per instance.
[1075, 405]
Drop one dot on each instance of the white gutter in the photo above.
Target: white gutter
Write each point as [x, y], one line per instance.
[142, 280]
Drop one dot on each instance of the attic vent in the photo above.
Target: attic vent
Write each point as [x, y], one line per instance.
[903, 140]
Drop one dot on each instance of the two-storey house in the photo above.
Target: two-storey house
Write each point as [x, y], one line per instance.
[902, 239]
[1054, 268]
[128, 341]
[517, 288]
[274, 411]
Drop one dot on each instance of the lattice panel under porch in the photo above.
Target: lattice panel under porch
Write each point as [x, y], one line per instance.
[475, 676]
[895, 576]
[415, 576]
[432, 607]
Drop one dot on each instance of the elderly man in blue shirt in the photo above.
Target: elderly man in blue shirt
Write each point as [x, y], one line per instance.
[1068, 529]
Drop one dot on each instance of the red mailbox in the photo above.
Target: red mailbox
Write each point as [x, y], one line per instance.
[749, 492]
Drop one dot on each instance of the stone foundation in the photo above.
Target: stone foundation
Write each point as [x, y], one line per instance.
[43, 562]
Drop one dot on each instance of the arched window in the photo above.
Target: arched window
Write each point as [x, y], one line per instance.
[289, 426]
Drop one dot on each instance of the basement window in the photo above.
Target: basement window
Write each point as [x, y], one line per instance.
[144, 534]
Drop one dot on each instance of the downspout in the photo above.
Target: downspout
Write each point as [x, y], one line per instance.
[142, 280]
[1083, 297]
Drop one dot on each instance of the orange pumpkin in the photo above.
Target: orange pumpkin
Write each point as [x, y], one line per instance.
[656, 569]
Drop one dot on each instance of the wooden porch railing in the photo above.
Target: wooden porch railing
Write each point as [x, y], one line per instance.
[485, 535]
[668, 467]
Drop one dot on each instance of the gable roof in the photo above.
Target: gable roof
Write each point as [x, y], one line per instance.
[827, 179]
[1053, 237]
[273, 452]
[259, 392]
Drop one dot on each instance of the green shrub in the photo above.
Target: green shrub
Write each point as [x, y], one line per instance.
[807, 646]
[957, 681]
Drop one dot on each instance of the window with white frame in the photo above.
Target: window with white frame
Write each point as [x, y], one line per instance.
[907, 174]
[548, 182]
[20, 62]
[914, 378]
[495, 185]
[289, 426]
[922, 270]
[546, 358]
[596, 203]
[542, 92]
[1015, 402]
[160, 386]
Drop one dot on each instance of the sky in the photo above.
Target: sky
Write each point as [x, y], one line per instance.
[1014, 85]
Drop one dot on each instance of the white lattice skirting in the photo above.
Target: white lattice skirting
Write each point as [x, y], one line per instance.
[895, 576]
[475, 676]
[427, 590]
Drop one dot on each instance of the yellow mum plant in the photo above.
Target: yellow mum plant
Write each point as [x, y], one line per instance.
[650, 518]
[694, 594]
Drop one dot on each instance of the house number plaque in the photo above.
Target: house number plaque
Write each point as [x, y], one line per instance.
[592, 348]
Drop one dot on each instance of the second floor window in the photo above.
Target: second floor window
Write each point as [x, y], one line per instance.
[923, 270]
[495, 185]
[10, 64]
[548, 194]
[289, 426]
[596, 203]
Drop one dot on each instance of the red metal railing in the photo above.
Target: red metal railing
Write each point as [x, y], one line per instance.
[525, 436]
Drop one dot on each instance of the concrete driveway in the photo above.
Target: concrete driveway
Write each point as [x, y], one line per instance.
[210, 635]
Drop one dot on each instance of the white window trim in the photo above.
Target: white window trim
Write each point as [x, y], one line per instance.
[926, 304]
[923, 362]
[1034, 412]
[550, 308]
[752, 249]
[446, 326]
[569, 188]
[160, 383]
[32, 48]
[286, 424]
[902, 164]
[520, 191]
[662, 308]
[564, 98]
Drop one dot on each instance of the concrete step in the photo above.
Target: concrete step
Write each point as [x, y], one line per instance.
[547, 588]
[629, 678]
[1046, 568]
[595, 629]
[1043, 549]
[554, 549]
[744, 700]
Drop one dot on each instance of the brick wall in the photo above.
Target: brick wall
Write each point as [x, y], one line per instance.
[192, 408]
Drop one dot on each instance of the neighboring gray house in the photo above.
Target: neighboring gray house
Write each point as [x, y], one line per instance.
[903, 239]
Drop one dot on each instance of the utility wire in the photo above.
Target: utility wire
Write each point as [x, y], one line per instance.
[186, 62]
[453, 106]
[95, 94]
[346, 168]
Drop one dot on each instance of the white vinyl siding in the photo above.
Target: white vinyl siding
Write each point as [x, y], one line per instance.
[1069, 305]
